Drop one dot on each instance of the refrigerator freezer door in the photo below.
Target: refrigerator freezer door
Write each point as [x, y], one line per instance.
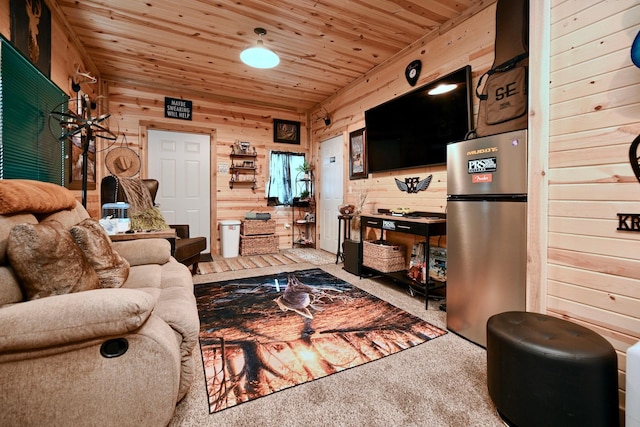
[486, 266]
[491, 165]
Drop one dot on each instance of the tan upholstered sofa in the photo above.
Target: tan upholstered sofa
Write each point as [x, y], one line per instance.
[106, 356]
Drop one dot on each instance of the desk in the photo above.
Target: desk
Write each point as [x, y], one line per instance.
[342, 237]
[426, 225]
[169, 234]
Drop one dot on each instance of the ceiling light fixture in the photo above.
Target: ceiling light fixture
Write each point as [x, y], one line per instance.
[259, 56]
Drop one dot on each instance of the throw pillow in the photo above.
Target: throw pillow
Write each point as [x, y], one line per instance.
[112, 269]
[24, 195]
[148, 219]
[47, 261]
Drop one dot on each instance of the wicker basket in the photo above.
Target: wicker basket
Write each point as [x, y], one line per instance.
[255, 227]
[258, 245]
[383, 256]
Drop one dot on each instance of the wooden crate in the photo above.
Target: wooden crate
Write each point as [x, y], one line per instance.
[255, 227]
[383, 256]
[258, 245]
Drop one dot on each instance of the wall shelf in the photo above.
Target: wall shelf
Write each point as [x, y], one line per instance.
[243, 166]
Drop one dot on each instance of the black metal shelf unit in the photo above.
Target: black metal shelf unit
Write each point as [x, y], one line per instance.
[304, 212]
[425, 225]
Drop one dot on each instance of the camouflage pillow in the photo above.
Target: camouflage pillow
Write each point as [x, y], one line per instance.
[112, 269]
[48, 261]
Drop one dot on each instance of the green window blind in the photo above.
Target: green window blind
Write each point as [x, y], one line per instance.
[28, 147]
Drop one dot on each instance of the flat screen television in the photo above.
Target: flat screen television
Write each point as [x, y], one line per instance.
[413, 130]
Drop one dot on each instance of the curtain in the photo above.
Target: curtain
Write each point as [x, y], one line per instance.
[282, 166]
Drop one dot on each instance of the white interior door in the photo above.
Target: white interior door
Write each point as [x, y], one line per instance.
[180, 161]
[332, 193]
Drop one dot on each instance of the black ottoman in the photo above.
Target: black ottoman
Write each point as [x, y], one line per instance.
[545, 371]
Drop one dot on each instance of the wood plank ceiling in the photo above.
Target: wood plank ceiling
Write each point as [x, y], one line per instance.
[194, 45]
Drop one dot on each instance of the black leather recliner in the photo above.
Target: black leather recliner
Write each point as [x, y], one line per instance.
[187, 250]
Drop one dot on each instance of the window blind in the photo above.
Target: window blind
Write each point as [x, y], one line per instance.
[29, 149]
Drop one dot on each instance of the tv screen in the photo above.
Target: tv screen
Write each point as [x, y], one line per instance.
[414, 129]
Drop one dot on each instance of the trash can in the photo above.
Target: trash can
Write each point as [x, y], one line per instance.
[230, 237]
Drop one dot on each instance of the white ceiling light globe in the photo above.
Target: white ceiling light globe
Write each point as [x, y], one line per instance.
[259, 57]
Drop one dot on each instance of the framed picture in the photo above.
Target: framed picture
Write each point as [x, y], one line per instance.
[357, 154]
[286, 131]
[31, 32]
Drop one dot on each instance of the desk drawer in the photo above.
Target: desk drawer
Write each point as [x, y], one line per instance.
[393, 224]
[411, 227]
[373, 222]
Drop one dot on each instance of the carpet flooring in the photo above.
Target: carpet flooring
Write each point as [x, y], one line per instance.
[264, 334]
[440, 384]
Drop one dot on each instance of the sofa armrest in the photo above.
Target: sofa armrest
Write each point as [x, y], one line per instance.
[144, 251]
[64, 319]
[182, 230]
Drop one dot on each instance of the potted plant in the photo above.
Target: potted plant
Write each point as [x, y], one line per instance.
[305, 168]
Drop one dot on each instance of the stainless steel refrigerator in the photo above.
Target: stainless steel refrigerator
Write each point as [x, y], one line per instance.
[486, 231]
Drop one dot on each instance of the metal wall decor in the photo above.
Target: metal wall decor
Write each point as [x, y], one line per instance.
[80, 126]
[413, 185]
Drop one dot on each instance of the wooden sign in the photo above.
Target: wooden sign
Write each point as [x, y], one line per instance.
[175, 108]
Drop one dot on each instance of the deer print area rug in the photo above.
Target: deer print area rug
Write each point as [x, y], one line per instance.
[264, 334]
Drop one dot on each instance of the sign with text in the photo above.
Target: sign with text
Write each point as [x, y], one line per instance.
[178, 108]
[628, 222]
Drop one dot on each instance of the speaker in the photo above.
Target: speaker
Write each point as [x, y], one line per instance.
[351, 250]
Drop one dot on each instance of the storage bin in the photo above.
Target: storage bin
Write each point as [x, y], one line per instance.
[255, 227]
[258, 245]
[383, 256]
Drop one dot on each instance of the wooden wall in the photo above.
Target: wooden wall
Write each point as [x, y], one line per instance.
[66, 58]
[591, 271]
[467, 40]
[587, 272]
[594, 270]
[140, 108]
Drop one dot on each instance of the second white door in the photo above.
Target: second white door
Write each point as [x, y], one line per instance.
[180, 162]
[332, 182]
